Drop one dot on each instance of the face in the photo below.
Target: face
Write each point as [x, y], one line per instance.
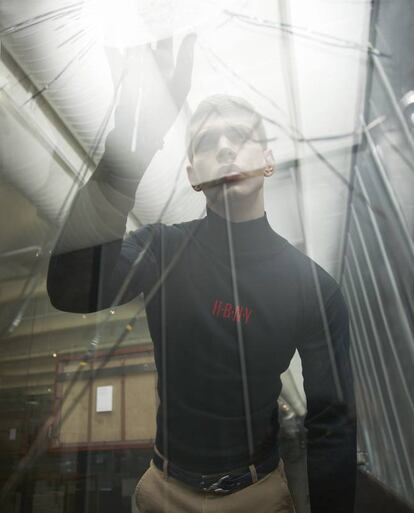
[227, 150]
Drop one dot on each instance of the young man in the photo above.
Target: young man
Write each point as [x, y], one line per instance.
[228, 301]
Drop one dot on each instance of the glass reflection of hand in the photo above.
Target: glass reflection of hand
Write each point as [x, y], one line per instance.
[177, 75]
[153, 87]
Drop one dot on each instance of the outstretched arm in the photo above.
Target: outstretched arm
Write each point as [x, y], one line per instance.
[88, 264]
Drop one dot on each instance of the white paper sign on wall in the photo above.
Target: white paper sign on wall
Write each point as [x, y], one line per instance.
[104, 398]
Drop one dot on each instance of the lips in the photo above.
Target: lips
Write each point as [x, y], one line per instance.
[232, 179]
[230, 173]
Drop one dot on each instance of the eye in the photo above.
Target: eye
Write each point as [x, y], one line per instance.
[205, 142]
[238, 134]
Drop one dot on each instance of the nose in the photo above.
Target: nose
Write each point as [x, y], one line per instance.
[225, 152]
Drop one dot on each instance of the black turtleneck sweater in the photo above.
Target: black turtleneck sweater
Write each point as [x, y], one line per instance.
[222, 336]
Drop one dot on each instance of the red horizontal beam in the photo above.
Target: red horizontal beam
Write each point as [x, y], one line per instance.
[142, 348]
[103, 446]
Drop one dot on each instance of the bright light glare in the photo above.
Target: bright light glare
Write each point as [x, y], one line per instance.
[129, 23]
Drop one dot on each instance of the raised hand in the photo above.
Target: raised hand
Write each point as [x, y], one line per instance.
[152, 90]
[178, 74]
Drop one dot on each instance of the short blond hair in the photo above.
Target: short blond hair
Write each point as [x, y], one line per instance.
[223, 105]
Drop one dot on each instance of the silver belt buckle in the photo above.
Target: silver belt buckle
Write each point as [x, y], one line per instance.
[215, 487]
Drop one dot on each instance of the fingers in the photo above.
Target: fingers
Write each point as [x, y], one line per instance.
[115, 61]
[180, 83]
[164, 56]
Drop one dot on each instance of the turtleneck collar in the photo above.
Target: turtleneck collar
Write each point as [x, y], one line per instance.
[249, 237]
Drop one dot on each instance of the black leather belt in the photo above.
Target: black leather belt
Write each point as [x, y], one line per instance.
[224, 483]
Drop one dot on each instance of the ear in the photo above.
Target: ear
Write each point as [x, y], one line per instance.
[269, 158]
[192, 178]
[191, 174]
[270, 163]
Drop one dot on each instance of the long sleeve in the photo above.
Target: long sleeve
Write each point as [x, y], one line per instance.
[88, 265]
[110, 274]
[330, 419]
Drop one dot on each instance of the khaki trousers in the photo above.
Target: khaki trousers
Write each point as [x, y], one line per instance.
[155, 493]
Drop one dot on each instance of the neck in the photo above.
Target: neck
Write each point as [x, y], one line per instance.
[238, 210]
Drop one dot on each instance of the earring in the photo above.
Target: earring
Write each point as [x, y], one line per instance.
[197, 188]
[268, 170]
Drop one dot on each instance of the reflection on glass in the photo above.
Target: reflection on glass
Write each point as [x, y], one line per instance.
[199, 269]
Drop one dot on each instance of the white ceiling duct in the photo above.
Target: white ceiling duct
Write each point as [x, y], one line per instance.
[30, 167]
[62, 50]
[58, 50]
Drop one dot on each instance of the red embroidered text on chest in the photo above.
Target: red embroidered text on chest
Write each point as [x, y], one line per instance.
[233, 313]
